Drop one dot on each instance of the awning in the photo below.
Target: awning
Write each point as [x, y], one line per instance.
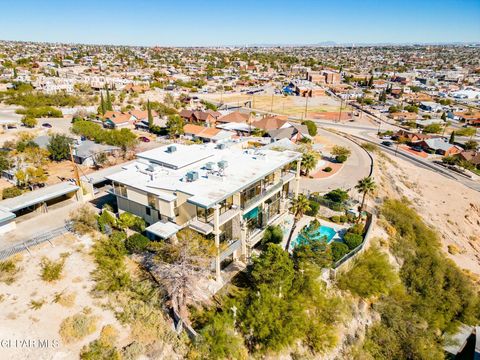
[163, 230]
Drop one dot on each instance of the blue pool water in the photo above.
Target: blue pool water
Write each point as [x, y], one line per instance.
[323, 233]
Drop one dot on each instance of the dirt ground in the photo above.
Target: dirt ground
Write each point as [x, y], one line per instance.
[448, 206]
[18, 321]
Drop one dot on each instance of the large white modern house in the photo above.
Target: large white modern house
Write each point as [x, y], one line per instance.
[224, 191]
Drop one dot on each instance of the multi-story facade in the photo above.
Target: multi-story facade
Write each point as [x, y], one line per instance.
[224, 192]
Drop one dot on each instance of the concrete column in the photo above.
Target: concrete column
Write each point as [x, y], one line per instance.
[297, 178]
[243, 242]
[216, 232]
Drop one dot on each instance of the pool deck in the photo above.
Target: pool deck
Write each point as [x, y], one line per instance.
[339, 228]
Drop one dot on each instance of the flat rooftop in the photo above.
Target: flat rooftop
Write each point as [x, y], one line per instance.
[243, 168]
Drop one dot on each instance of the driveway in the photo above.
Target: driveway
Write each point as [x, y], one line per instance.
[355, 168]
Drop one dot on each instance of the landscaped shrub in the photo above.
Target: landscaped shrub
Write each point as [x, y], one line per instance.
[341, 158]
[130, 221]
[356, 229]
[136, 243]
[272, 234]
[352, 240]
[314, 207]
[339, 250]
[11, 192]
[78, 326]
[106, 222]
[52, 270]
[103, 347]
[328, 169]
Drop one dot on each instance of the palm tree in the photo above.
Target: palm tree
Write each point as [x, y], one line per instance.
[309, 162]
[365, 186]
[299, 206]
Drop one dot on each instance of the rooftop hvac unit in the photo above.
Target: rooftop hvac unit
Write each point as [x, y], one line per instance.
[171, 149]
[221, 146]
[210, 165]
[223, 164]
[192, 176]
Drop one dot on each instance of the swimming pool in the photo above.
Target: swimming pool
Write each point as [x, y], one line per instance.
[322, 233]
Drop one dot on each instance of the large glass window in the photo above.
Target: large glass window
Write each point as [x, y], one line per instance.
[226, 204]
[251, 192]
[120, 189]
[269, 179]
[205, 215]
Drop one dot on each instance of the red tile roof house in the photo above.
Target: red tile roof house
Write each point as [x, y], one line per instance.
[440, 146]
[118, 120]
[411, 137]
[472, 156]
[209, 117]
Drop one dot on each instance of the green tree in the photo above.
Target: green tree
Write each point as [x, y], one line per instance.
[365, 186]
[338, 250]
[59, 147]
[150, 116]
[273, 234]
[309, 161]
[452, 138]
[136, 243]
[433, 128]
[300, 205]
[311, 126]
[102, 109]
[108, 100]
[175, 126]
[444, 116]
[470, 145]
[273, 268]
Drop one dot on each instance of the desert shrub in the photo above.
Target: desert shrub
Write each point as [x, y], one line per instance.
[11, 192]
[272, 234]
[356, 229]
[314, 207]
[371, 275]
[132, 351]
[29, 121]
[103, 347]
[136, 243]
[76, 327]
[51, 270]
[37, 304]
[328, 169]
[66, 300]
[370, 147]
[339, 250]
[110, 274]
[311, 126]
[352, 240]
[9, 270]
[84, 219]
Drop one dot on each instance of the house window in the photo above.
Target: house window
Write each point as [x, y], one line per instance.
[152, 201]
[226, 231]
[147, 211]
[226, 204]
[251, 193]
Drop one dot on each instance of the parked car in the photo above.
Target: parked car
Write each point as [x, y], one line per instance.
[417, 148]
[144, 139]
[11, 126]
[47, 125]
[387, 143]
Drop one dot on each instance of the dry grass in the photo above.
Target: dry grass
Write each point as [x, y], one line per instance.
[64, 299]
[9, 269]
[77, 327]
[52, 270]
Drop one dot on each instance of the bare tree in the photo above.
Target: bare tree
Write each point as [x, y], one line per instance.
[181, 265]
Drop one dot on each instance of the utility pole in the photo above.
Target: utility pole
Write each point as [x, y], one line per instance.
[340, 113]
[75, 169]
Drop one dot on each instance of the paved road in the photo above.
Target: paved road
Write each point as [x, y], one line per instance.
[356, 167]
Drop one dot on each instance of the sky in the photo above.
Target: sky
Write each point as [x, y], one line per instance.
[247, 22]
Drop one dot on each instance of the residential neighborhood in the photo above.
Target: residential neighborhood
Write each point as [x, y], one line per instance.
[240, 192]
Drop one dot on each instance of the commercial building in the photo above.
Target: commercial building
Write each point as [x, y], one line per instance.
[223, 191]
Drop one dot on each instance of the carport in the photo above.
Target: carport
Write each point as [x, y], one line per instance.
[39, 200]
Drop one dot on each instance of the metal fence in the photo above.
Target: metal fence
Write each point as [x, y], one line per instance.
[47, 236]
